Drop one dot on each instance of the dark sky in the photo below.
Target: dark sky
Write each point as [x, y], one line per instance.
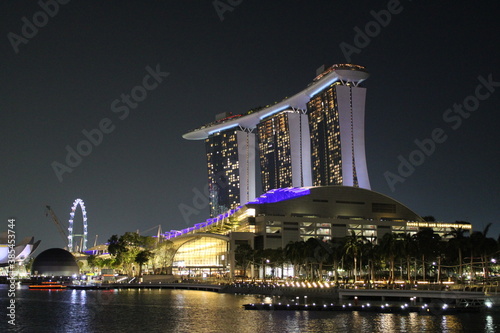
[65, 78]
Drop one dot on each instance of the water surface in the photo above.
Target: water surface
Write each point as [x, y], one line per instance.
[199, 311]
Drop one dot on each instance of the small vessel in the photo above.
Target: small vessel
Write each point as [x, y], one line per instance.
[48, 285]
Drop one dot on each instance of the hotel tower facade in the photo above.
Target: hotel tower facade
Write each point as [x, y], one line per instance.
[336, 118]
[231, 169]
[314, 138]
[284, 150]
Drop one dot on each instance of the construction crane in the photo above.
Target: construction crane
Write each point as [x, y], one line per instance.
[158, 227]
[158, 234]
[50, 213]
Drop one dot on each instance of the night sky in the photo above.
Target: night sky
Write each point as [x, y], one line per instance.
[74, 71]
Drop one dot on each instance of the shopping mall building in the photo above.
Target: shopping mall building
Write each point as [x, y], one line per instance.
[286, 215]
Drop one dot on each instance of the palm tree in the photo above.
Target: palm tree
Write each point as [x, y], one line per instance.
[295, 253]
[308, 257]
[369, 250]
[274, 258]
[336, 252]
[458, 242]
[440, 252]
[427, 242]
[243, 256]
[409, 249]
[484, 247]
[279, 259]
[321, 252]
[352, 246]
[389, 247]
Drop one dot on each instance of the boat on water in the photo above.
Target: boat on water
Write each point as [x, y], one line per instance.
[47, 285]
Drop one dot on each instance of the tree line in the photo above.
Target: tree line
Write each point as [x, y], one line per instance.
[130, 251]
[424, 255]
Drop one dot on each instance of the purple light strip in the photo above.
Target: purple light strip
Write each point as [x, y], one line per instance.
[277, 195]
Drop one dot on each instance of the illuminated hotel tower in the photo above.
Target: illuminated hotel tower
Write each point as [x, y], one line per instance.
[321, 146]
[337, 118]
[284, 150]
[231, 169]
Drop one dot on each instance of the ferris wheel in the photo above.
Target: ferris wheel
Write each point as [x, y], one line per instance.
[70, 228]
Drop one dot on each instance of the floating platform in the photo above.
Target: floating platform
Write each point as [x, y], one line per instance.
[424, 309]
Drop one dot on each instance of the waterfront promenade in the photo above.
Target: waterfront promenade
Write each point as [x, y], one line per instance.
[456, 295]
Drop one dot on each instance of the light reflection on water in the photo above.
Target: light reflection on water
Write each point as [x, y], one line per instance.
[489, 325]
[197, 311]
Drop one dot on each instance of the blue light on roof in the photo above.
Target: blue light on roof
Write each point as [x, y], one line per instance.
[274, 111]
[198, 226]
[323, 86]
[281, 194]
[271, 196]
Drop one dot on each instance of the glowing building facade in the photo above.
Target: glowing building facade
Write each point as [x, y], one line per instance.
[315, 137]
[336, 117]
[314, 175]
[286, 215]
[231, 169]
[284, 150]
[22, 250]
[199, 253]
